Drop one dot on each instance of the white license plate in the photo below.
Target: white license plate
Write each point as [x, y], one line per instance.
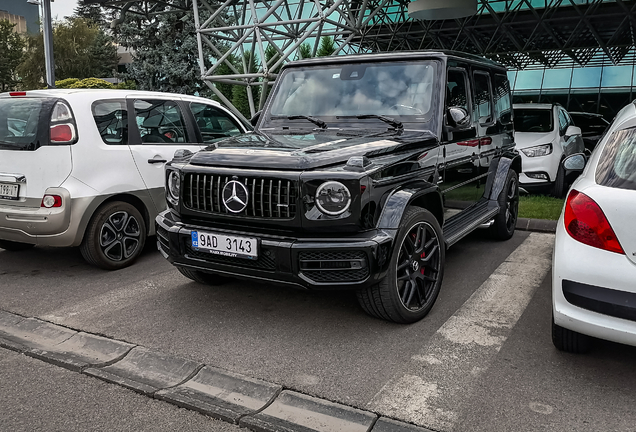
[9, 191]
[221, 244]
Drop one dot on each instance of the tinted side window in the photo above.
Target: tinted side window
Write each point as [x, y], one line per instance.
[111, 119]
[456, 90]
[617, 164]
[213, 123]
[503, 105]
[563, 122]
[483, 98]
[160, 121]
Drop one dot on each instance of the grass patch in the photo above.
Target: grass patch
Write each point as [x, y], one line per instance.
[540, 207]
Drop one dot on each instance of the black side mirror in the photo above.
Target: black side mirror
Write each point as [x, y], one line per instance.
[254, 119]
[458, 117]
[573, 166]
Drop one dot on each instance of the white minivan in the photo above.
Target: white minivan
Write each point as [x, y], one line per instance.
[86, 167]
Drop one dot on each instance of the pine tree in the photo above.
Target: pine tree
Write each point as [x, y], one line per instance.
[239, 93]
[327, 47]
[304, 51]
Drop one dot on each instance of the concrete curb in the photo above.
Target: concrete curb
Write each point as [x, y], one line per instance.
[221, 394]
[147, 371]
[296, 412]
[538, 225]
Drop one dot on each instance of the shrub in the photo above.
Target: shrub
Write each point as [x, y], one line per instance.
[66, 83]
[92, 83]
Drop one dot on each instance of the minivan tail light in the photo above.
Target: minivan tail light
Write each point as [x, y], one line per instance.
[62, 133]
[586, 222]
[51, 201]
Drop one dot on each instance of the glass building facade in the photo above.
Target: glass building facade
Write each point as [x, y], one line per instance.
[604, 90]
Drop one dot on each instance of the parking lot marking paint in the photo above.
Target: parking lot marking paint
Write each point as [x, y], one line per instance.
[93, 307]
[435, 384]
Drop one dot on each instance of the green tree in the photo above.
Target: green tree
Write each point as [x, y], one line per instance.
[80, 50]
[165, 54]
[271, 57]
[11, 46]
[327, 47]
[304, 51]
[224, 69]
[93, 12]
[239, 93]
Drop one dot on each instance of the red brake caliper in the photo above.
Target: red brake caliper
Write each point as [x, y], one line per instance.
[423, 255]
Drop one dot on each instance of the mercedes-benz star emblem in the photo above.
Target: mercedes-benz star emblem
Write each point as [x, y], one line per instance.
[235, 196]
[415, 266]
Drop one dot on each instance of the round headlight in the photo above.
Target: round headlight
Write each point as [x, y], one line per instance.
[174, 184]
[333, 198]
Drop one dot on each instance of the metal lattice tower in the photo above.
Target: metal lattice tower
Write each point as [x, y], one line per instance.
[518, 33]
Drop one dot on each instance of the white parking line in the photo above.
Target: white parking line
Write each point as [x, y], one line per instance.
[435, 384]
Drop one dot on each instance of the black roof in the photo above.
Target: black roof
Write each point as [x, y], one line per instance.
[399, 55]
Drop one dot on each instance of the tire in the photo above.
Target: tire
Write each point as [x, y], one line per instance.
[416, 269]
[115, 236]
[14, 246]
[569, 340]
[506, 220]
[560, 187]
[203, 277]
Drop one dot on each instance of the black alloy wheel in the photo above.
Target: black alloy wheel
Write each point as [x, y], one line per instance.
[505, 222]
[415, 273]
[119, 236]
[115, 236]
[418, 266]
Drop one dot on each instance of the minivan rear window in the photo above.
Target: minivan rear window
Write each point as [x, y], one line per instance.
[19, 121]
[617, 163]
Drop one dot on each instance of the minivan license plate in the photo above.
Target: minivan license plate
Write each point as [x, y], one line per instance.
[226, 245]
[9, 191]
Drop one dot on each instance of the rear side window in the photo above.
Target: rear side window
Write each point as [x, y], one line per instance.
[19, 121]
[160, 121]
[111, 119]
[533, 120]
[213, 123]
[617, 164]
[503, 104]
[483, 99]
[457, 90]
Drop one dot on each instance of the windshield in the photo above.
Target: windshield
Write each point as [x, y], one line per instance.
[404, 91]
[19, 119]
[533, 120]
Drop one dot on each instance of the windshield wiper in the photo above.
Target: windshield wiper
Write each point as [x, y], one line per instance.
[390, 120]
[321, 124]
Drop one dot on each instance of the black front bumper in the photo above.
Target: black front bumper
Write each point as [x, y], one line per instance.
[351, 262]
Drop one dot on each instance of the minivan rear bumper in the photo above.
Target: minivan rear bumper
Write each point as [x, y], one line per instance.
[40, 225]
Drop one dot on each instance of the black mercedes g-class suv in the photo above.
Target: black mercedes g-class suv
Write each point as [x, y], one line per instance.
[361, 171]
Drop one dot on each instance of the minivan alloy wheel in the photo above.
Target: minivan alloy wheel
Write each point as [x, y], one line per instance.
[119, 236]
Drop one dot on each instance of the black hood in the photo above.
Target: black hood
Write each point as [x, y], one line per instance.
[305, 151]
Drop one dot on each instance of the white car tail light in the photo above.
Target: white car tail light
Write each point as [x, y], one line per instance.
[586, 222]
[62, 133]
[51, 201]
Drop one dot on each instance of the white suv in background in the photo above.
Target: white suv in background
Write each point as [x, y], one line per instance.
[545, 134]
[86, 167]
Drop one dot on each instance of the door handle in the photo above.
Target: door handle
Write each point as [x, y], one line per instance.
[154, 161]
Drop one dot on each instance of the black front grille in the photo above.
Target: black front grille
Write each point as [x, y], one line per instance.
[265, 261]
[334, 266]
[268, 197]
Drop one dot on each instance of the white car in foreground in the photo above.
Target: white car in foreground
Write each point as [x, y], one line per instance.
[545, 135]
[594, 262]
[86, 167]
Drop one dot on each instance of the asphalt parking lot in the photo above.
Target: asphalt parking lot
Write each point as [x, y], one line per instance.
[481, 360]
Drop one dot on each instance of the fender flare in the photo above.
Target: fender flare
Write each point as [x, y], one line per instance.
[500, 167]
[422, 194]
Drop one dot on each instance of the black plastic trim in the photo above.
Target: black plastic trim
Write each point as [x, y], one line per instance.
[619, 304]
